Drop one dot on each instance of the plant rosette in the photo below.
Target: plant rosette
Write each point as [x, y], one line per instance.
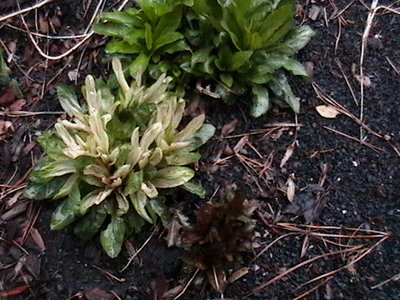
[109, 171]
[244, 47]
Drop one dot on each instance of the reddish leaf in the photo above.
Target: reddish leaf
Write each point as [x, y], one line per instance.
[96, 294]
[229, 127]
[9, 96]
[18, 105]
[15, 291]
[38, 240]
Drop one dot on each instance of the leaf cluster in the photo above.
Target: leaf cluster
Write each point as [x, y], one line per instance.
[110, 162]
[222, 232]
[243, 46]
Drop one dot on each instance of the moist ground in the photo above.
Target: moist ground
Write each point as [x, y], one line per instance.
[361, 188]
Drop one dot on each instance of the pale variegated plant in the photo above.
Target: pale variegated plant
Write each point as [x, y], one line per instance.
[99, 175]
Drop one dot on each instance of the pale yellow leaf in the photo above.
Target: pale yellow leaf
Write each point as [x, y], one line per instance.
[291, 188]
[327, 111]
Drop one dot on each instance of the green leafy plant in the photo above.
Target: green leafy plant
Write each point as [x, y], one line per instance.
[150, 34]
[6, 82]
[252, 43]
[110, 173]
[223, 231]
[244, 46]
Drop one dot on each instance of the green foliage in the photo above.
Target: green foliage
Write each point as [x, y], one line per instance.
[108, 165]
[5, 80]
[244, 46]
[148, 33]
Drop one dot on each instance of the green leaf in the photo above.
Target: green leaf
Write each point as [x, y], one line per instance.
[67, 211]
[58, 168]
[194, 189]
[170, 177]
[122, 157]
[112, 238]
[134, 222]
[160, 209]
[120, 17]
[279, 34]
[168, 23]
[234, 29]
[182, 159]
[295, 40]
[38, 174]
[239, 59]
[43, 191]
[261, 102]
[148, 36]
[93, 181]
[134, 36]
[69, 101]
[295, 67]
[177, 46]
[123, 47]
[200, 56]
[167, 38]
[111, 29]
[139, 65]
[259, 76]
[277, 19]
[90, 224]
[226, 79]
[202, 135]
[52, 145]
[281, 88]
[139, 201]
[90, 199]
[67, 187]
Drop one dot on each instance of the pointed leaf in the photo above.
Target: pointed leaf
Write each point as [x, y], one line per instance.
[120, 17]
[148, 36]
[90, 224]
[205, 133]
[52, 145]
[261, 102]
[226, 79]
[67, 187]
[168, 23]
[182, 159]
[172, 177]
[134, 222]
[139, 200]
[194, 189]
[295, 67]
[161, 210]
[111, 29]
[38, 174]
[139, 65]
[112, 238]
[277, 19]
[295, 40]
[239, 59]
[200, 56]
[123, 47]
[69, 101]
[167, 38]
[45, 190]
[281, 88]
[134, 182]
[67, 211]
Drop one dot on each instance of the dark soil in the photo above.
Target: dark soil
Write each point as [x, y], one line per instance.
[361, 189]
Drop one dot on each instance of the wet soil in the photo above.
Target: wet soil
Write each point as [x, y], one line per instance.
[361, 188]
